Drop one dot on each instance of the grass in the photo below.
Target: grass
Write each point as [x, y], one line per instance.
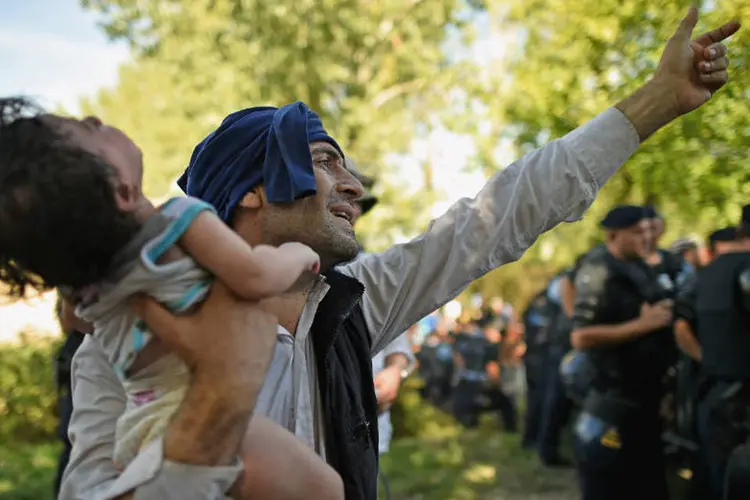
[481, 465]
[472, 465]
[27, 472]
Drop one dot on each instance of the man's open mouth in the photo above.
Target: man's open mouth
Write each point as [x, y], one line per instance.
[343, 211]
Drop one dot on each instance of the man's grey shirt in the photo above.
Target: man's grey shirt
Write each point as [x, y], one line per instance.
[555, 183]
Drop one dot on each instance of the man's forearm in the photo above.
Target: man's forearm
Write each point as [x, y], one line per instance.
[596, 335]
[203, 440]
[209, 426]
[650, 108]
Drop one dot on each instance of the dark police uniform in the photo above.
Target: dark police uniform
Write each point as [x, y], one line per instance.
[575, 368]
[557, 406]
[495, 397]
[671, 273]
[475, 392]
[474, 350]
[536, 322]
[721, 235]
[618, 433]
[718, 309]
[681, 431]
[436, 368]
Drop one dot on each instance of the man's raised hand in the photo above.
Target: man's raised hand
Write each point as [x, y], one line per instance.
[693, 70]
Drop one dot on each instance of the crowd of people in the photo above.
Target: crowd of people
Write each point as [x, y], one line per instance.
[231, 332]
[471, 365]
[647, 348]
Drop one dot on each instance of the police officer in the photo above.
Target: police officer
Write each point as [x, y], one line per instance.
[472, 352]
[688, 249]
[621, 320]
[721, 241]
[690, 389]
[671, 271]
[718, 310]
[670, 267]
[500, 359]
[556, 406]
[535, 325]
[436, 366]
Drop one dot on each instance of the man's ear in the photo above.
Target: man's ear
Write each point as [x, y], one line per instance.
[254, 199]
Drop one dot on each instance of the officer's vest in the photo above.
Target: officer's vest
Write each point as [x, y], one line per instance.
[722, 326]
[536, 325]
[670, 278]
[473, 350]
[443, 360]
[639, 359]
[560, 329]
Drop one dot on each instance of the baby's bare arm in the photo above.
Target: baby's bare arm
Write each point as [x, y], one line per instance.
[252, 273]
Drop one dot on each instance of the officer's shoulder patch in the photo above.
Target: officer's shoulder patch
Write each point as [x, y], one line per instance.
[591, 276]
[611, 439]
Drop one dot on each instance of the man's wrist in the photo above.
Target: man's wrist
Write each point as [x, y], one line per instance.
[650, 108]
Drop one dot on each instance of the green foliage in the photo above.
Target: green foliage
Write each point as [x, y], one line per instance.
[572, 60]
[27, 472]
[28, 399]
[611, 48]
[412, 417]
[575, 60]
[372, 70]
[384, 73]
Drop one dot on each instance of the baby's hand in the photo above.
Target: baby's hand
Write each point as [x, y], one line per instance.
[279, 268]
[300, 254]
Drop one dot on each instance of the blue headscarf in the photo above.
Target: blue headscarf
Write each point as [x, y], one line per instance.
[253, 146]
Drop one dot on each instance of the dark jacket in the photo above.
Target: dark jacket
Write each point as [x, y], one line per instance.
[342, 345]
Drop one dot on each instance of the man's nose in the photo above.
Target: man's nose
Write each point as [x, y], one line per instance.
[351, 186]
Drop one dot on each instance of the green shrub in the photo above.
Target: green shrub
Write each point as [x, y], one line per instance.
[413, 417]
[27, 472]
[27, 390]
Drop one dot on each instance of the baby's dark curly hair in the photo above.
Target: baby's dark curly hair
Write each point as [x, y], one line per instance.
[60, 224]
